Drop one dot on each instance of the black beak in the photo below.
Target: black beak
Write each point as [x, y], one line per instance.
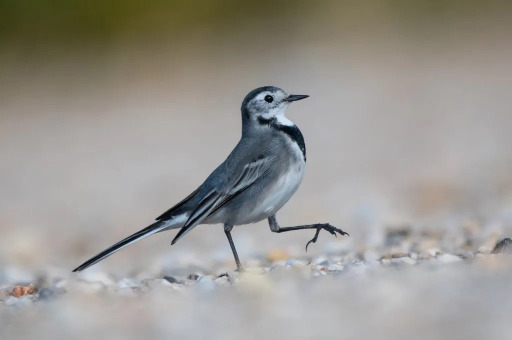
[294, 97]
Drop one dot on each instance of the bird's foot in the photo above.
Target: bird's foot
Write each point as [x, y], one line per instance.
[326, 226]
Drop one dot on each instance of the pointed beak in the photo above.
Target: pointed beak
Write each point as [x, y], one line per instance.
[294, 97]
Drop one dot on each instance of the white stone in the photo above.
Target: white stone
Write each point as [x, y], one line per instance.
[128, 283]
[205, 283]
[448, 258]
[96, 276]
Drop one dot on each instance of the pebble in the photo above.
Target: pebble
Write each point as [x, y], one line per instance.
[322, 261]
[86, 286]
[205, 284]
[433, 252]
[223, 281]
[46, 293]
[449, 258]
[296, 263]
[128, 283]
[403, 260]
[171, 279]
[96, 276]
[335, 267]
[193, 277]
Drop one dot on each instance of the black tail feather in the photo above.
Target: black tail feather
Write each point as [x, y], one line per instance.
[150, 230]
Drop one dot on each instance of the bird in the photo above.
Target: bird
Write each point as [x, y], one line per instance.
[255, 181]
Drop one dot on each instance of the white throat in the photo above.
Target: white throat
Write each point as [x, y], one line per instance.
[278, 114]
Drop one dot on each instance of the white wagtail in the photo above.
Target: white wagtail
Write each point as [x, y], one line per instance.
[252, 184]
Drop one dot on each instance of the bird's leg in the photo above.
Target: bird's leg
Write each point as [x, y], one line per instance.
[274, 226]
[227, 230]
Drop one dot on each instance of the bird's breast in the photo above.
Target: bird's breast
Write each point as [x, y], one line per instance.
[282, 189]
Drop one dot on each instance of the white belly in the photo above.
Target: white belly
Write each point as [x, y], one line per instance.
[279, 193]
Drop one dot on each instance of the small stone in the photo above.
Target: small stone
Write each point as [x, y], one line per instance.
[300, 263]
[96, 276]
[296, 263]
[205, 283]
[385, 262]
[290, 262]
[335, 267]
[87, 286]
[19, 291]
[322, 261]
[193, 277]
[172, 279]
[222, 281]
[448, 258]
[61, 284]
[128, 283]
[46, 293]
[404, 260]
[433, 252]
[157, 283]
[395, 256]
[503, 247]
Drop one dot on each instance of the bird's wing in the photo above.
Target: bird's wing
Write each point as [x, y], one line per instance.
[178, 208]
[220, 195]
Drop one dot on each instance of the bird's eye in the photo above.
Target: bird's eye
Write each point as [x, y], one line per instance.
[269, 98]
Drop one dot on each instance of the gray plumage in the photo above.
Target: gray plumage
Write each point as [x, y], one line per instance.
[258, 177]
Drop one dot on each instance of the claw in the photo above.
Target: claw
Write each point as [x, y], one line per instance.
[330, 229]
[313, 240]
[307, 244]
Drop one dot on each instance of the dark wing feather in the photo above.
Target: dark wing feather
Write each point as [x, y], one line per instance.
[202, 211]
[175, 210]
[251, 173]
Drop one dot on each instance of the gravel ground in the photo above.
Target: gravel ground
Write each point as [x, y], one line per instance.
[410, 287]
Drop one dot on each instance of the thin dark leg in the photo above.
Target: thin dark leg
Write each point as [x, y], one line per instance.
[274, 226]
[227, 230]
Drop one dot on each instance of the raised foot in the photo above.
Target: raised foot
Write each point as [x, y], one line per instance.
[326, 226]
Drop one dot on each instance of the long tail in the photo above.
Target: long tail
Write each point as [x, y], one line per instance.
[156, 227]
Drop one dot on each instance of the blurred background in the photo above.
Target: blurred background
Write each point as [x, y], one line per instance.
[111, 112]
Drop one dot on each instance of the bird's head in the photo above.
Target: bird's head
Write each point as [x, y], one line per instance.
[267, 103]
